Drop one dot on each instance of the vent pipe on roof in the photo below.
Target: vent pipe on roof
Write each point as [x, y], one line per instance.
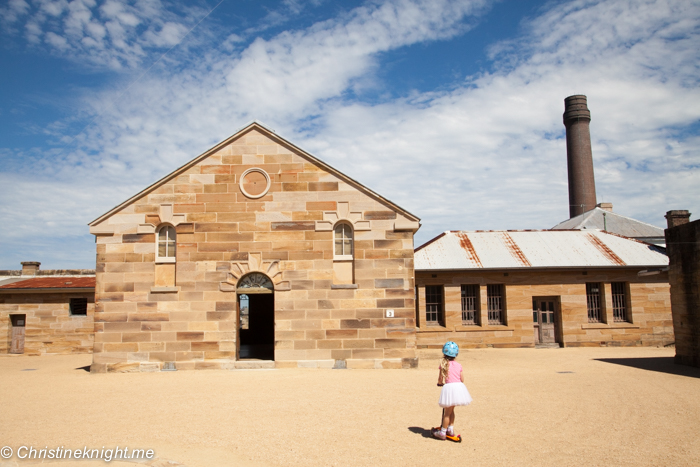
[577, 119]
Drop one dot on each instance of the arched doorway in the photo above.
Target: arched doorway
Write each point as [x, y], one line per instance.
[256, 317]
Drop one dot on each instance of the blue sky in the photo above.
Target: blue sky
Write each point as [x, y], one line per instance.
[451, 109]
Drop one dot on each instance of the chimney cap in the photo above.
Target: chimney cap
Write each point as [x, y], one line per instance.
[677, 217]
[30, 268]
[576, 108]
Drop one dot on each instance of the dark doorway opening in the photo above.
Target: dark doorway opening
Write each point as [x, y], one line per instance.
[256, 326]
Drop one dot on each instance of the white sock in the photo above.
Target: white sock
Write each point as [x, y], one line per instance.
[443, 430]
[451, 428]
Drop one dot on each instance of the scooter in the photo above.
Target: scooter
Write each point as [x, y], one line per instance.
[455, 438]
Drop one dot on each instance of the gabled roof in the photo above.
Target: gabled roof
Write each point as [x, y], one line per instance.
[535, 249]
[601, 219]
[255, 125]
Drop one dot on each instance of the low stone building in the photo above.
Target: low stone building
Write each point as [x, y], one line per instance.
[683, 243]
[529, 288]
[255, 253]
[46, 312]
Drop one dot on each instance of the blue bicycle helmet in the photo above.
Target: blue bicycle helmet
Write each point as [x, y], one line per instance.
[450, 349]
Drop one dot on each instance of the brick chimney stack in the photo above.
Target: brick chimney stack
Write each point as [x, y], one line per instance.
[674, 218]
[30, 268]
[577, 119]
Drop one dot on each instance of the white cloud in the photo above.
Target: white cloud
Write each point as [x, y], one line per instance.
[14, 10]
[487, 153]
[112, 34]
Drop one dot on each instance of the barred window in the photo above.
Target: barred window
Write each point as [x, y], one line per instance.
[494, 293]
[433, 304]
[593, 301]
[469, 304]
[619, 300]
[78, 306]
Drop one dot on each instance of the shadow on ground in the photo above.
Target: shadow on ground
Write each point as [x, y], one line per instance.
[660, 364]
[420, 431]
[84, 368]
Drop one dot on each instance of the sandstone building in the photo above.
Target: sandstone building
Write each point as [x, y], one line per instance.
[254, 250]
[541, 288]
[257, 254]
[46, 311]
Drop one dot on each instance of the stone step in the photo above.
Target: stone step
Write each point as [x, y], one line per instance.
[552, 345]
[254, 364]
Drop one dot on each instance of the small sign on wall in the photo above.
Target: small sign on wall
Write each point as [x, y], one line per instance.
[389, 313]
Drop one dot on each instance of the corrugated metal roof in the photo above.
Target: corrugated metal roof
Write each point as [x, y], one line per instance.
[535, 249]
[601, 219]
[52, 283]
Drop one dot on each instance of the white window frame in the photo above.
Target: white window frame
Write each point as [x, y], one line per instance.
[166, 259]
[344, 257]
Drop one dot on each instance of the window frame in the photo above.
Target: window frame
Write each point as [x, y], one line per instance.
[343, 256]
[72, 305]
[167, 258]
[596, 312]
[496, 315]
[620, 302]
[438, 291]
[474, 299]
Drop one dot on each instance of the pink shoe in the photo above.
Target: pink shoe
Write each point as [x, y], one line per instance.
[437, 433]
[450, 431]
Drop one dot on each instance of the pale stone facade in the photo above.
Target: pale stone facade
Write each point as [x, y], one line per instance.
[46, 312]
[648, 321]
[541, 288]
[173, 263]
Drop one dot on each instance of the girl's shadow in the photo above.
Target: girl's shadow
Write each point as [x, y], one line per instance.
[420, 431]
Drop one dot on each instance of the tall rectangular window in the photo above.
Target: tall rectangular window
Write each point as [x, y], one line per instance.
[593, 301]
[494, 293]
[619, 300]
[433, 304]
[469, 304]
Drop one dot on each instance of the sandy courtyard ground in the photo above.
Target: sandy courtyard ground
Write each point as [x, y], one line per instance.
[600, 406]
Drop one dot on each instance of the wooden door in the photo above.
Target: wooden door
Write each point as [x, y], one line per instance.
[544, 320]
[17, 334]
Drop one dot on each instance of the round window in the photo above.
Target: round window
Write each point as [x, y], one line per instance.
[255, 183]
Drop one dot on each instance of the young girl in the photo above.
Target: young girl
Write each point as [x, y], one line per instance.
[454, 392]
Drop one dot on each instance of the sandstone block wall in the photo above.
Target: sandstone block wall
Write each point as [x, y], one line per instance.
[50, 328]
[649, 297]
[222, 234]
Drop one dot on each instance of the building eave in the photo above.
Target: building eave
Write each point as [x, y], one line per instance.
[27, 290]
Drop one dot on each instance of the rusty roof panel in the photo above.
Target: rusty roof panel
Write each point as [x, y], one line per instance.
[467, 246]
[66, 282]
[609, 254]
[515, 250]
[535, 249]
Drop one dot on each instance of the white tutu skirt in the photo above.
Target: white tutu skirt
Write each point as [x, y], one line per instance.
[454, 394]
